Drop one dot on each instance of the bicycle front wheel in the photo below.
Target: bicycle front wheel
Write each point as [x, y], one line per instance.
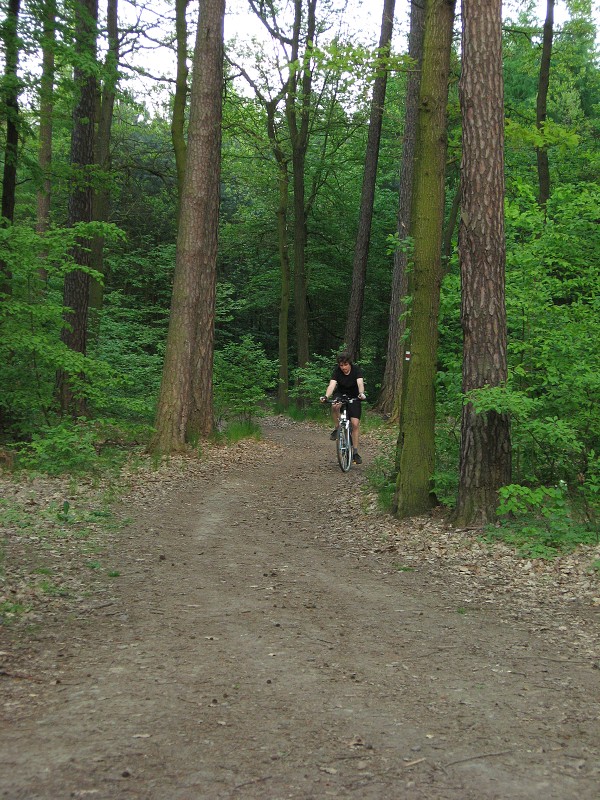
[344, 448]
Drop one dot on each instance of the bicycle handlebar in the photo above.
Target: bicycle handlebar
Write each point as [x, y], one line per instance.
[343, 398]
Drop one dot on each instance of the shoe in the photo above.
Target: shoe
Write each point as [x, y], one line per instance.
[333, 434]
[356, 458]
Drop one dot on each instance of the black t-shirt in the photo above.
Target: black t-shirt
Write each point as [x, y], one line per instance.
[346, 384]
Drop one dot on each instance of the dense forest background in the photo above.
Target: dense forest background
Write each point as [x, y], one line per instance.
[91, 211]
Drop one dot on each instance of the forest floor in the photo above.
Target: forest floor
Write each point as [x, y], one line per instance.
[258, 629]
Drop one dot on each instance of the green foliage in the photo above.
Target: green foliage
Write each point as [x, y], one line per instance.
[539, 521]
[310, 381]
[31, 320]
[238, 430]
[381, 477]
[243, 376]
[60, 449]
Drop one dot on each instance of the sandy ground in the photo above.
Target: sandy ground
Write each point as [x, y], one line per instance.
[265, 638]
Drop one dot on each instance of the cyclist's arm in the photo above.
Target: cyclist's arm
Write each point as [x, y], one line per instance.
[361, 387]
[330, 388]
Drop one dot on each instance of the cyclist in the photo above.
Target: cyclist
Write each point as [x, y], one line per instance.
[347, 378]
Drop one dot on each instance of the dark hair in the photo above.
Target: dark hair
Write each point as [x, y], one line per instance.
[343, 357]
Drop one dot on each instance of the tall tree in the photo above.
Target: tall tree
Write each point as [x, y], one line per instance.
[543, 166]
[11, 91]
[416, 440]
[104, 114]
[391, 388]
[181, 91]
[46, 113]
[77, 282]
[204, 149]
[298, 47]
[485, 452]
[185, 402]
[298, 103]
[361, 250]
[271, 104]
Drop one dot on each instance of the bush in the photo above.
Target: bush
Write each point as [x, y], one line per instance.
[243, 376]
[540, 521]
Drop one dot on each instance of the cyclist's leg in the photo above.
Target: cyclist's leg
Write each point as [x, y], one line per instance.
[335, 413]
[355, 432]
[355, 414]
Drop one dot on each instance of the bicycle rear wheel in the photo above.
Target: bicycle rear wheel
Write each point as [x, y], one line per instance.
[344, 448]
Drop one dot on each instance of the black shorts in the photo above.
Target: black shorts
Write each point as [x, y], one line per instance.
[354, 408]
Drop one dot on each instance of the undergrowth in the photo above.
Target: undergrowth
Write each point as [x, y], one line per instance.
[541, 522]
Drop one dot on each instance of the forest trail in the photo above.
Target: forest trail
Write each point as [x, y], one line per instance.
[255, 647]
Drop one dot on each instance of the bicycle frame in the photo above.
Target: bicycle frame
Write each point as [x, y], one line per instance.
[343, 443]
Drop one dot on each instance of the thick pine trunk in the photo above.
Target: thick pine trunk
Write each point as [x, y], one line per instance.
[416, 441]
[204, 175]
[361, 250]
[391, 389]
[77, 282]
[185, 411]
[485, 455]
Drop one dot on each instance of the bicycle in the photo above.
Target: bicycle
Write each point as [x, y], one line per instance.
[343, 442]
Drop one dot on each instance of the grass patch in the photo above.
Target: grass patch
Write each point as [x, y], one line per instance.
[381, 479]
[403, 568]
[539, 522]
[237, 431]
[10, 611]
[534, 538]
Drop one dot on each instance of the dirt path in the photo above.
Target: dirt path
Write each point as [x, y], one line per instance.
[255, 647]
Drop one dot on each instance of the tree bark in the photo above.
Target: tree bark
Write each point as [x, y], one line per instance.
[298, 103]
[77, 282]
[185, 410]
[284, 253]
[101, 199]
[543, 166]
[361, 251]
[485, 454]
[11, 107]
[391, 388]
[416, 440]
[46, 111]
[181, 90]
[204, 147]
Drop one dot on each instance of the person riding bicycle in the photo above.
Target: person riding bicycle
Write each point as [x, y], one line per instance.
[347, 378]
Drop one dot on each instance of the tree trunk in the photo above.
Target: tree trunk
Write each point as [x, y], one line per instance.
[449, 231]
[185, 410]
[101, 200]
[181, 90]
[485, 454]
[298, 104]
[416, 441]
[204, 148]
[391, 388]
[46, 111]
[77, 282]
[284, 304]
[543, 166]
[284, 256]
[11, 108]
[361, 251]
